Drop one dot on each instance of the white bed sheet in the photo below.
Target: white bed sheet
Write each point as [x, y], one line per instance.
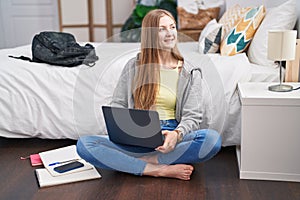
[261, 73]
[40, 100]
[222, 73]
[36, 99]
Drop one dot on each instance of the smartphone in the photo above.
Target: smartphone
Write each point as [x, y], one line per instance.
[68, 167]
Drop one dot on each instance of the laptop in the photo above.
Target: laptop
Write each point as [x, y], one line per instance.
[133, 127]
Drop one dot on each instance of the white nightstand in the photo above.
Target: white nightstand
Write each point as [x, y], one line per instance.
[270, 133]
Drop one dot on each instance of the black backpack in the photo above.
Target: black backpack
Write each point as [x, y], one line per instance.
[59, 48]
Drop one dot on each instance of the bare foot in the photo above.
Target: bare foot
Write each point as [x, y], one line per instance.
[179, 171]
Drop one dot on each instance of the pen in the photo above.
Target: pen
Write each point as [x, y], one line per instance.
[61, 162]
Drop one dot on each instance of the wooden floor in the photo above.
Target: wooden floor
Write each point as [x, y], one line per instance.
[214, 179]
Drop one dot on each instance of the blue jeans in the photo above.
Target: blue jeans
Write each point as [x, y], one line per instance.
[196, 146]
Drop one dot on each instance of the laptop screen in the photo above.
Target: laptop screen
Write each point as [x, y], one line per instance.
[133, 127]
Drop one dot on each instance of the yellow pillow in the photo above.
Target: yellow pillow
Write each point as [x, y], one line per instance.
[240, 36]
[231, 17]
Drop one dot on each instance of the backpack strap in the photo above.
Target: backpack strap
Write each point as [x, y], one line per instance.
[21, 58]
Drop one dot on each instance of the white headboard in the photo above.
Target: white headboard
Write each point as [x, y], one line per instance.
[267, 3]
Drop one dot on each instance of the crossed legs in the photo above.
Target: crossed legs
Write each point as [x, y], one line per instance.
[196, 147]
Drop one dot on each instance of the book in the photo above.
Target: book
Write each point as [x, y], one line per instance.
[45, 179]
[35, 160]
[57, 157]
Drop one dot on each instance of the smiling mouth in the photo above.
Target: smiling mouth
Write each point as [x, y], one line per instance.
[168, 40]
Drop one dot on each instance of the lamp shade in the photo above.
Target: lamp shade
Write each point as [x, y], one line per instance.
[282, 45]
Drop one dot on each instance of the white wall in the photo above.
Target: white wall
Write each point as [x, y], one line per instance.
[22, 19]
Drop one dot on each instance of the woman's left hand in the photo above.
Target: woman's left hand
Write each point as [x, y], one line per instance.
[169, 143]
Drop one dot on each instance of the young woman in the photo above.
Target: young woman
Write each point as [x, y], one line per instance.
[158, 79]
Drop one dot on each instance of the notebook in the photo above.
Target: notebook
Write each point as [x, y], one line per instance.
[61, 156]
[45, 179]
[57, 157]
[133, 127]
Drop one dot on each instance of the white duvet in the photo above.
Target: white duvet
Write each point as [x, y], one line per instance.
[45, 101]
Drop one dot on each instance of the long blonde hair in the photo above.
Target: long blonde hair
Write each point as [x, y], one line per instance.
[146, 82]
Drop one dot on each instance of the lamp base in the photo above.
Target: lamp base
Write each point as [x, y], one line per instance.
[280, 88]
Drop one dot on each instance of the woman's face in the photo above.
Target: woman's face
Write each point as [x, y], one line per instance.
[167, 33]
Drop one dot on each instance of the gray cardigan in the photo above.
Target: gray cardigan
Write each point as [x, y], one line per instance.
[189, 107]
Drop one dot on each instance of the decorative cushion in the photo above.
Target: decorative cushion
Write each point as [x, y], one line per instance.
[231, 17]
[210, 38]
[197, 21]
[241, 35]
[282, 17]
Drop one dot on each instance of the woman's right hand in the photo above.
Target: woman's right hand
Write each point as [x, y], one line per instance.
[169, 143]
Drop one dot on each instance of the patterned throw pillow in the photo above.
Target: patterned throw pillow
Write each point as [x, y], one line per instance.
[241, 35]
[231, 17]
[210, 38]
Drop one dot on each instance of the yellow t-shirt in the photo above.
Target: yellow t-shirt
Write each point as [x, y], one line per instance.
[166, 98]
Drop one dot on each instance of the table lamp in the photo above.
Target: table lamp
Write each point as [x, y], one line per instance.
[281, 47]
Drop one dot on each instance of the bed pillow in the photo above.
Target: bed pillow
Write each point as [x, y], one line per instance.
[239, 37]
[210, 38]
[231, 17]
[282, 17]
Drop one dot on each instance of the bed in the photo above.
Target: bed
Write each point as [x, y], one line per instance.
[45, 101]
